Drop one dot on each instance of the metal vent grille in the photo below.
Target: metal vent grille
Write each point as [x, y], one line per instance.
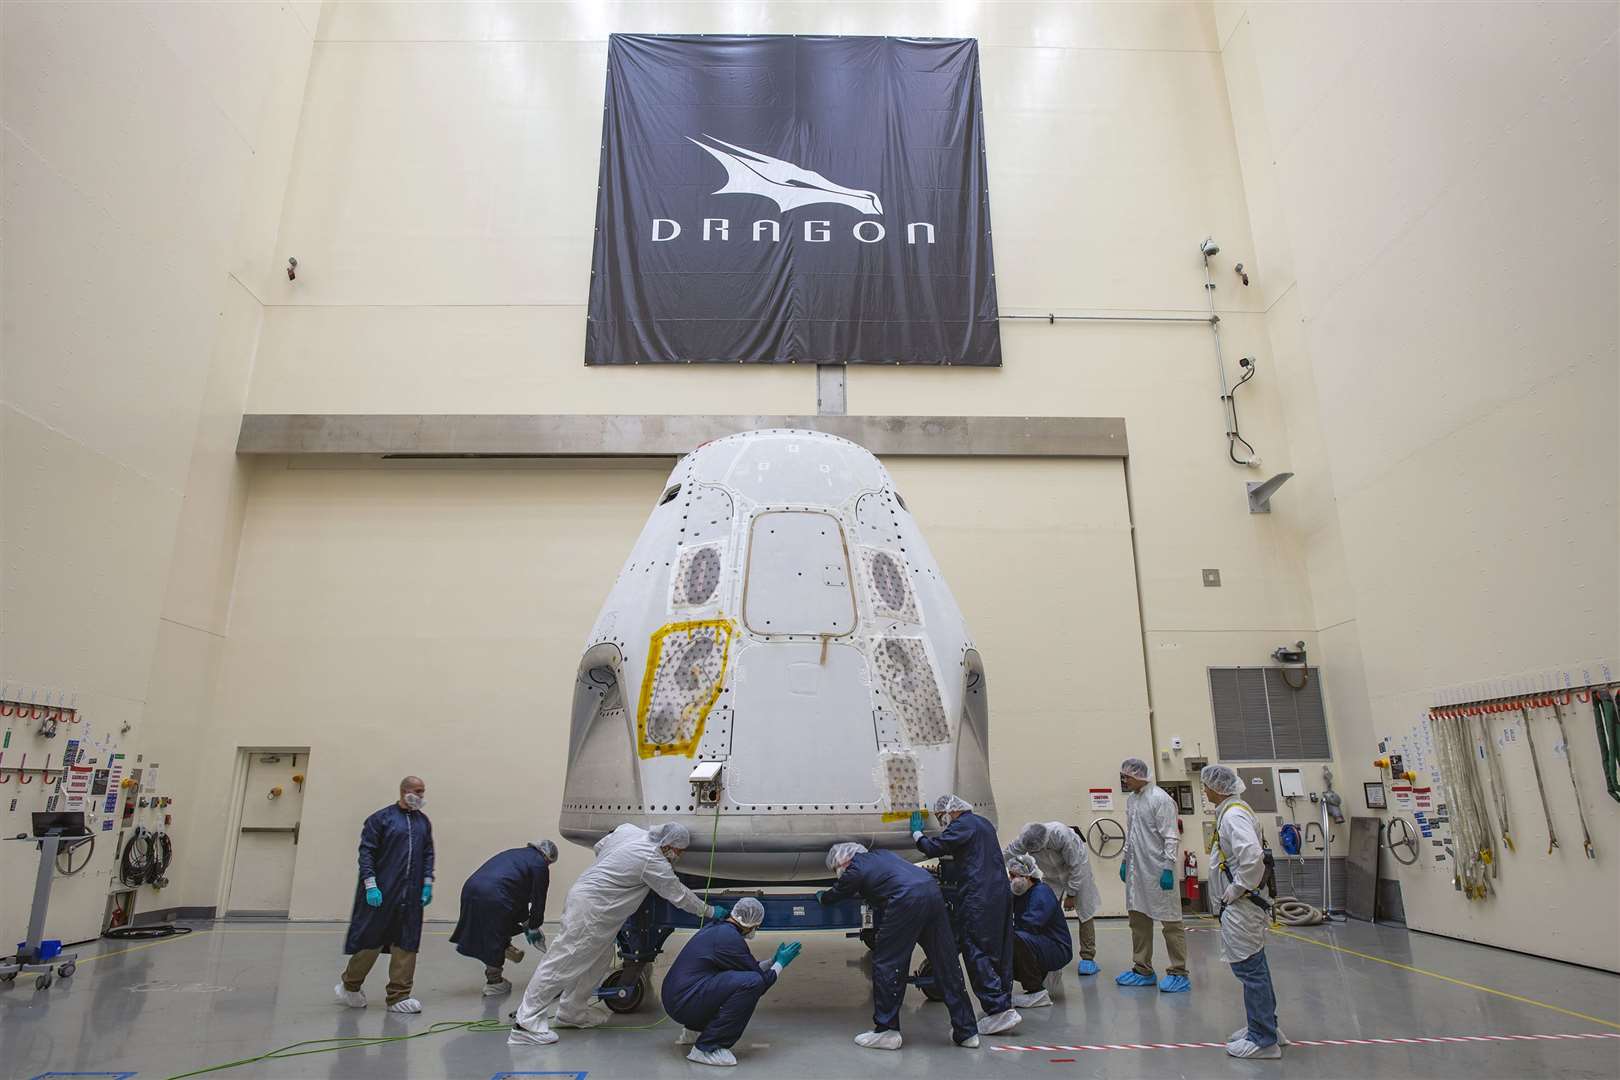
[1302, 879]
[1259, 716]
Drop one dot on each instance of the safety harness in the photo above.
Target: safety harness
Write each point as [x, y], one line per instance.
[1217, 853]
[1608, 737]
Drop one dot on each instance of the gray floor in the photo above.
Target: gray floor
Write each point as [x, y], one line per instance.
[234, 990]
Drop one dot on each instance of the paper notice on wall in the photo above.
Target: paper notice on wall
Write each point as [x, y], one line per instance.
[115, 777]
[77, 786]
[1403, 796]
[149, 778]
[1102, 798]
[1423, 798]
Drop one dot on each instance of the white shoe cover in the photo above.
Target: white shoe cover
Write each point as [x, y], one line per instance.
[717, 1056]
[970, 1043]
[1054, 984]
[354, 999]
[409, 1005]
[1243, 1033]
[1038, 1000]
[687, 1037]
[522, 1036]
[1243, 1048]
[496, 989]
[591, 1019]
[878, 1040]
[996, 1023]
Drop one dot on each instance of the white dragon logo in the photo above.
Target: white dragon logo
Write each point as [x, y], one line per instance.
[789, 186]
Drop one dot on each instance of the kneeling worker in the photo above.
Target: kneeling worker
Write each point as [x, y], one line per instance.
[910, 912]
[505, 895]
[715, 982]
[1041, 942]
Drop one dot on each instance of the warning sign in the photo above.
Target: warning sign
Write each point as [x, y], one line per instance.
[1102, 798]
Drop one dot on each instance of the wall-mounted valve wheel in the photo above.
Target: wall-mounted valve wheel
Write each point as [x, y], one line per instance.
[1106, 837]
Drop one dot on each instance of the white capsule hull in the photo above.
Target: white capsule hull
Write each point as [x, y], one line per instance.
[780, 615]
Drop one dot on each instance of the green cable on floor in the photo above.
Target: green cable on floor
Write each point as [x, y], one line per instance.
[350, 1042]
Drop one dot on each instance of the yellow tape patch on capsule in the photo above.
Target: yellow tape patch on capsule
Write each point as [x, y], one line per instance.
[686, 670]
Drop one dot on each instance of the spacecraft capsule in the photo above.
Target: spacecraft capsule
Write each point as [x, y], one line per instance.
[780, 665]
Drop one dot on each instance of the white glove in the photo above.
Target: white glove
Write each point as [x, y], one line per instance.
[1232, 895]
[916, 836]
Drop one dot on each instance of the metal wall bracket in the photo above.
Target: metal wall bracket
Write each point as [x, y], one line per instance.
[1260, 494]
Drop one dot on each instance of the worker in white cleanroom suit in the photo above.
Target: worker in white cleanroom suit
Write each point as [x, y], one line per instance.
[1236, 869]
[629, 861]
[1147, 867]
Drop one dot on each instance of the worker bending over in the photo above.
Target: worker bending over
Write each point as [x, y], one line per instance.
[505, 895]
[1041, 943]
[394, 885]
[629, 861]
[715, 983]
[1066, 869]
[1145, 866]
[982, 921]
[1237, 867]
[910, 912]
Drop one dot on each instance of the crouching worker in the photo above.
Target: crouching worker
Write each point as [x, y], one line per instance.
[1237, 867]
[1041, 942]
[910, 912]
[715, 982]
[505, 895]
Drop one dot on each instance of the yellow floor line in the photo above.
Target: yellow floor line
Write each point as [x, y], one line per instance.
[138, 948]
[1447, 978]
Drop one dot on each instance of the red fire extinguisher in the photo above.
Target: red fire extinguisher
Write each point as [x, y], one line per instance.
[1189, 870]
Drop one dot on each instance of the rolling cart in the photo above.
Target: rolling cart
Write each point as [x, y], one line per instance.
[53, 834]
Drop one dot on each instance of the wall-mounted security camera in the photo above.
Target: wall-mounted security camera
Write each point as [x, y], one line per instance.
[1238, 269]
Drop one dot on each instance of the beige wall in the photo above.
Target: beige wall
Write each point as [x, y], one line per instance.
[441, 205]
[146, 147]
[1434, 194]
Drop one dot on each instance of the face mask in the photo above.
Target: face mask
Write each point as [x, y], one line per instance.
[1020, 885]
[414, 801]
[672, 854]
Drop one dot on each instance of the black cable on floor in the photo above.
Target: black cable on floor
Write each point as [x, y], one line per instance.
[142, 933]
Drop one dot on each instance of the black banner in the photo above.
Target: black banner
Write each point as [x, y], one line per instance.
[774, 199]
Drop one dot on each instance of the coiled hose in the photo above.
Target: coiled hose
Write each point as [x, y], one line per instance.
[1292, 911]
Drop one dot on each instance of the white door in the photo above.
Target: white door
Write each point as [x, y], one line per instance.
[267, 846]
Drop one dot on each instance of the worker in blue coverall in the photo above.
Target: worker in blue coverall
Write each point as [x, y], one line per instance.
[910, 912]
[395, 884]
[505, 895]
[715, 983]
[983, 917]
[1041, 941]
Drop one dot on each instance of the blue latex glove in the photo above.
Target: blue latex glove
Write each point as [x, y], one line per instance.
[374, 897]
[786, 951]
[918, 821]
[537, 938]
[720, 912]
[1167, 880]
[427, 894]
[1122, 869]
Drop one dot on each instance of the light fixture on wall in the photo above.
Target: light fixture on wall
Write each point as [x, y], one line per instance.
[292, 269]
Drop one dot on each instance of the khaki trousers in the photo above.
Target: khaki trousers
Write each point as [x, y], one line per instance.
[1175, 941]
[1088, 939]
[401, 972]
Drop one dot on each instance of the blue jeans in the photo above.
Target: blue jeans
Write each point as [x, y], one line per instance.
[1259, 1000]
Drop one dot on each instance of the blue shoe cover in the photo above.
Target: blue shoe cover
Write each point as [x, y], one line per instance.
[1175, 984]
[1132, 978]
[1088, 967]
